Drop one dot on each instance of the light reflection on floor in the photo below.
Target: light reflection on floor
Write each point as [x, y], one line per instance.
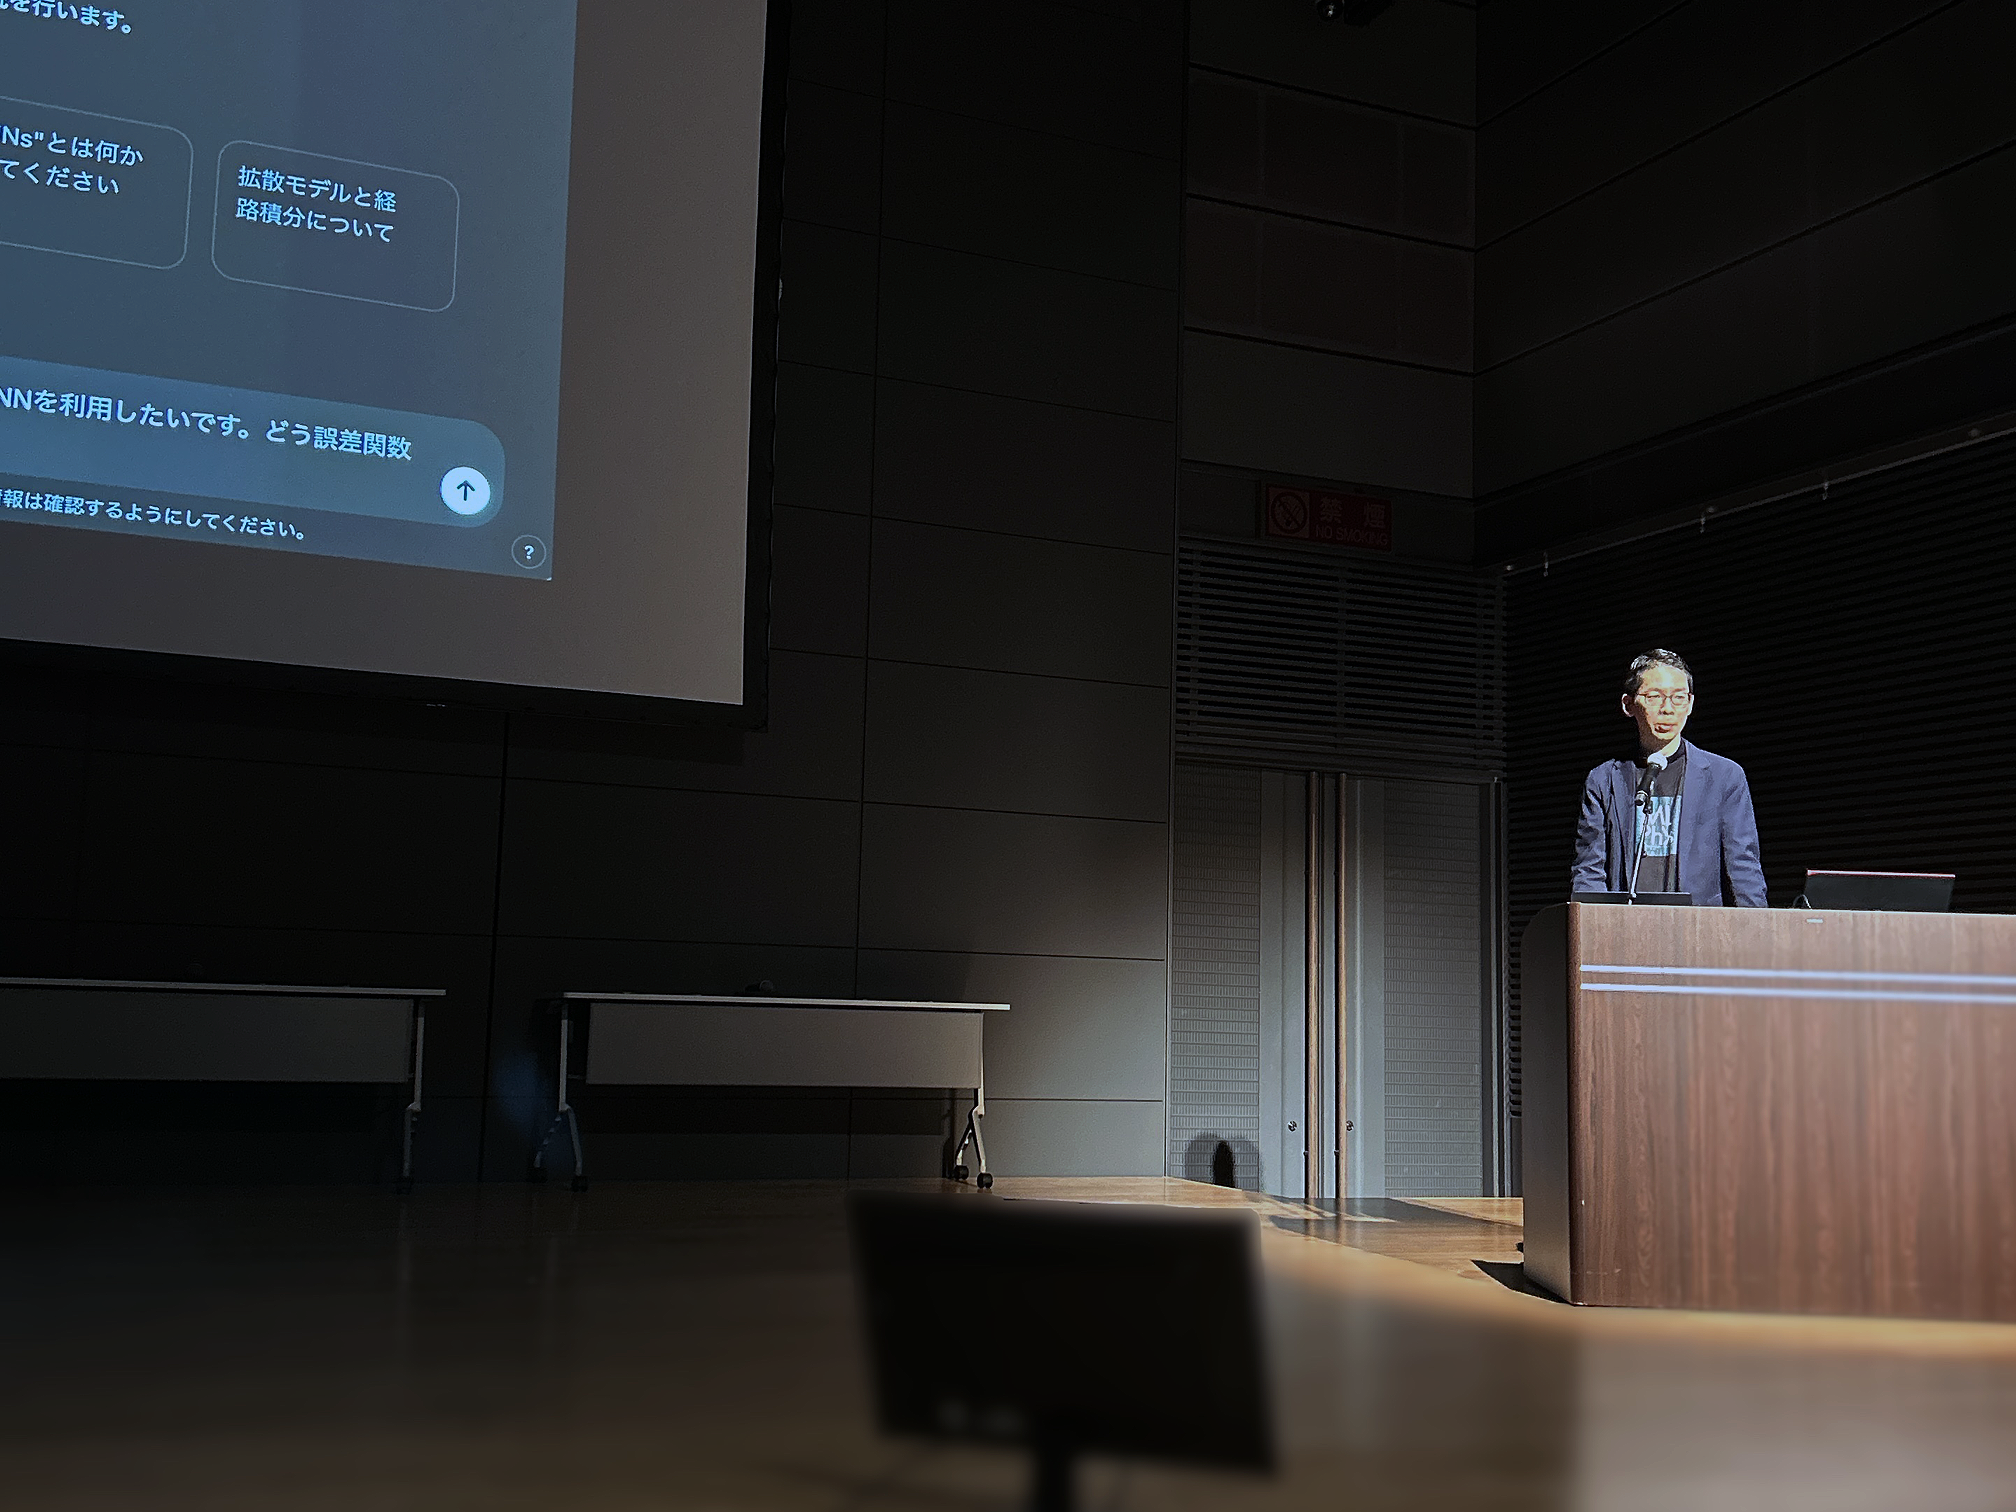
[693, 1346]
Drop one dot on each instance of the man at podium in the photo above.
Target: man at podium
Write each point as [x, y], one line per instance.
[1680, 816]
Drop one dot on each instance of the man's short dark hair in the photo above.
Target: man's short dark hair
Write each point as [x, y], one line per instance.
[1658, 656]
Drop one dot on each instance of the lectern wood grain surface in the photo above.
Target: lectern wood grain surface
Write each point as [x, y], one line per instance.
[1772, 1111]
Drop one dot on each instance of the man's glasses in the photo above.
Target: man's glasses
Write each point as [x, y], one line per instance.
[1665, 700]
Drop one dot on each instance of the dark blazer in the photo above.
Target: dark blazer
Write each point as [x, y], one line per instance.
[1718, 831]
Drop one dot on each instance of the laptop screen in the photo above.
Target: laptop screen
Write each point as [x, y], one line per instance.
[1889, 892]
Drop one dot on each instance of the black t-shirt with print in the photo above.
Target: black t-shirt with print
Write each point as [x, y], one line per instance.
[1659, 870]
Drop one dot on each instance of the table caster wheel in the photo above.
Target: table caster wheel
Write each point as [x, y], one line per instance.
[578, 1184]
[959, 1173]
[984, 1180]
[404, 1186]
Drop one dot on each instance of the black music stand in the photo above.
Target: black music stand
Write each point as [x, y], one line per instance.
[1065, 1327]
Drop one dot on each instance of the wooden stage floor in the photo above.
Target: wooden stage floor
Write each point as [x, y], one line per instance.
[692, 1346]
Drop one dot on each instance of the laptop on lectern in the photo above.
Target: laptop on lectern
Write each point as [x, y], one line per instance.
[1884, 892]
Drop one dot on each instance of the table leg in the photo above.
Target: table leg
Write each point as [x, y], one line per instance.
[563, 1111]
[412, 1115]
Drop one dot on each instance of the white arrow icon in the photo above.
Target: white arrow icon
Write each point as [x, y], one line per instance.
[465, 490]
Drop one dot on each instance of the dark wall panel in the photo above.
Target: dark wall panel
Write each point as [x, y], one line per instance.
[1921, 265]
[1221, 258]
[998, 327]
[603, 862]
[1328, 244]
[1672, 221]
[840, 44]
[201, 721]
[1028, 196]
[1270, 276]
[1727, 242]
[966, 598]
[1419, 57]
[983, 462]
[1339, 286]
[996, 740]
[1328, 159]
[1898, 399]
[811, 748]
[1929, 264]
[1926, 101]
[943, 879]
[1279, 410]
[836, 167]
[1109, 79]
[1658, 87]
[1438, 176]
[818, 581]
[1524, 46]
[44, 864]
[1571, 400]
[827, 280]
[825, 455]
[1223, 136]
[392, 850]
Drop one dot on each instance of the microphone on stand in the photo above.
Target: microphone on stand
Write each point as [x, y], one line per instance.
[1654, 765]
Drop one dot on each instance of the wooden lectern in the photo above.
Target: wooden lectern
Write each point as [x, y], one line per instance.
[1766, 1110]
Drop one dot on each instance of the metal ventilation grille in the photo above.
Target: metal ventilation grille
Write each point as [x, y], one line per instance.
[1258, 653]
[1296, 658]
[1852, 654]
[1424, 648]
[1435, 988]
[1214, 1020]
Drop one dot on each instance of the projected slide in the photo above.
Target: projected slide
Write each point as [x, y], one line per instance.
[244, 310]
[282, 294]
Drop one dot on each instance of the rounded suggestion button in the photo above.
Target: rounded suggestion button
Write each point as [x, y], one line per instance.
[529, 552]
[465, 490]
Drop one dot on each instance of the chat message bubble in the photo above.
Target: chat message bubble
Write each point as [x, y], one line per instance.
[330, 225]
[91, 185]
[205, 440]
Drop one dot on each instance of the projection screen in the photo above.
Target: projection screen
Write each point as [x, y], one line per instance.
[422, 338]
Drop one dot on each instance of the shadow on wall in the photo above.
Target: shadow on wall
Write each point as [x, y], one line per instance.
[1222, 1162]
